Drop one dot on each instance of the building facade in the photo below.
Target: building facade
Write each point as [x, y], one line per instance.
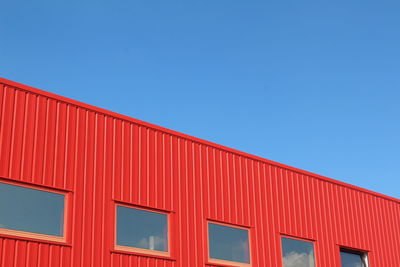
[85, 187]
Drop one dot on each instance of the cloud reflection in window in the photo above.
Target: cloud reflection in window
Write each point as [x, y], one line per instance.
[297, 253]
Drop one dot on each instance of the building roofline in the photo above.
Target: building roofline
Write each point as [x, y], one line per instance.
[189, 137]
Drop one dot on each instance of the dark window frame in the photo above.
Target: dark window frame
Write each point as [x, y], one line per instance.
[227, 262]
[362, 253]
[25, 235]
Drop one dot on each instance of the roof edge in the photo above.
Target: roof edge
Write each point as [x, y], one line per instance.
[189, 137]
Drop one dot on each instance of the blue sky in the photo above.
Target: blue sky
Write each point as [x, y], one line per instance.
[312, 84]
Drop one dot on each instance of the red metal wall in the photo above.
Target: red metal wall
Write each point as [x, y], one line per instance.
[99, 157]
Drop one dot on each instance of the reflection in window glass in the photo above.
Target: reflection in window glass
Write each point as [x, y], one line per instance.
[349, 259]
[30, 210]
[297, 253]
[228, 243]
[142, 229]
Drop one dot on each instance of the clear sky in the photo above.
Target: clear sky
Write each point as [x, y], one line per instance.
[312, 84]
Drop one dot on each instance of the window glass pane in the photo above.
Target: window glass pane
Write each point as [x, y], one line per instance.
[31, 210]
[297, 253]
[351, 259]
[228, 243]
[142, 229]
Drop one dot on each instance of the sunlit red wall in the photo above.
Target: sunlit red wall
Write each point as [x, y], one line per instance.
[99, 157]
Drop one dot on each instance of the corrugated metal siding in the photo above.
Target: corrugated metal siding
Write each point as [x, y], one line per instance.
[101, 158]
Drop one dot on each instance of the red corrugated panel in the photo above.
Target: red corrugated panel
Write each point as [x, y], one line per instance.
[100, 157]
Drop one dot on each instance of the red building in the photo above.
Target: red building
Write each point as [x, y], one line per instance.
[85, 187]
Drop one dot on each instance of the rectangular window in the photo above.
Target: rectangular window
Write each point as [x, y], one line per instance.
[297, 253]
[352, 258]
[228, 244]
[32, 213]
[142, 231]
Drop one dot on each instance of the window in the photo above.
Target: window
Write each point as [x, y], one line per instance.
[352, 258]
[297, 253]
[228, 244]
[33, 213]
[140, 230]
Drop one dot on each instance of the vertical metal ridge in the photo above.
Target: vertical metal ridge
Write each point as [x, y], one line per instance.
[2, 255]
[49, 146]
[396, 220]
[135, 183]
[247, 218]
[201, 205]
[16, 156]
[105, 196]
[153, 168]
[96, 189]
[177, 193]
[13, 133]
[221, 180]
[58, 140]
[131, 160]
[5, 130]
[228, 187]
[16, 254]
[126, 170]
[2, 104]
[120, 194]
[265, 218]
[45, 136]
[185, 204]
[270, 214]
[258, 213]
[35, 140]
[146, 200]
[84, 192]
[162, 170]
[27, 141]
